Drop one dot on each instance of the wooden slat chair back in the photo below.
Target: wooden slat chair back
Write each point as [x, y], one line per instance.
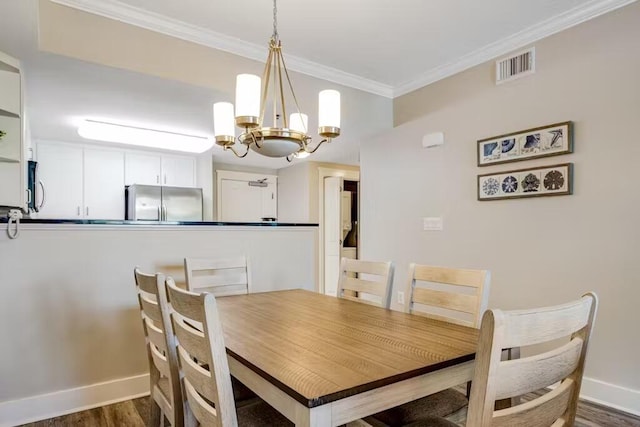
[166, 392]
[203, 358]
[221, 277]
[461, 295]
[372, 284]
[495, 379]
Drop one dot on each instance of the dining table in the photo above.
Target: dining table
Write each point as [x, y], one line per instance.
[326, 361]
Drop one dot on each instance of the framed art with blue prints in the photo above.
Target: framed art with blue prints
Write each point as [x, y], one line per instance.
[544, 141]
[554, 180]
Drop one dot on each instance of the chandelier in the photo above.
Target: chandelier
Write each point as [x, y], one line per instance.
[288, 136]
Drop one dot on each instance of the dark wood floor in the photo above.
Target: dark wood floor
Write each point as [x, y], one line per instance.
[135, 413]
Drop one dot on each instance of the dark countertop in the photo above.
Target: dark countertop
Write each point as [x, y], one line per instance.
[160, 224]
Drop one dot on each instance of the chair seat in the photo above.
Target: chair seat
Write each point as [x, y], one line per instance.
[436, 405]
[260, 414]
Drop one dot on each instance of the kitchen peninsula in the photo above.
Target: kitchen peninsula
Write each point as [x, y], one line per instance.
[69, 307]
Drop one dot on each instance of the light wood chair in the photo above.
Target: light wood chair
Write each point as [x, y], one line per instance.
[461, 297]
[207, 381]
[221, 277]
[495, 379]
[166, 392]
[375, 289]
[462, 300]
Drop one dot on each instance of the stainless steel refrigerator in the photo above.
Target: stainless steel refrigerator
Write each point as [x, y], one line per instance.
[157, 203]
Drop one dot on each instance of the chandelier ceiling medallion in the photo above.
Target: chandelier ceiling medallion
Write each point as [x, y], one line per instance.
[288, 136]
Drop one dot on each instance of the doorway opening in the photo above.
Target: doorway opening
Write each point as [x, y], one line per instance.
[339, 223]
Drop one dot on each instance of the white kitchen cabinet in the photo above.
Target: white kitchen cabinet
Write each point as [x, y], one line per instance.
[160, 169]
[178, 171]
[103, 184]
[61, 172]
[143, 168]
[81, 183]
[11, 99]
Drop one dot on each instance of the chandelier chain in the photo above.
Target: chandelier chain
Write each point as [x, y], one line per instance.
[275, 20]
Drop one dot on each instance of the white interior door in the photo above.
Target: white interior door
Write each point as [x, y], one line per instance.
[332, 233]
[240, 201]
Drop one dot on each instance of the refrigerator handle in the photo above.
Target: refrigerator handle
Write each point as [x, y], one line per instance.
[39, 207]
[164, 212]
[159, 214]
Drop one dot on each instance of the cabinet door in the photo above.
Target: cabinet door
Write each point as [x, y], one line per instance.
[10, 101]
[179, 171]
[103, 184]
[142, 168]
[60, 170]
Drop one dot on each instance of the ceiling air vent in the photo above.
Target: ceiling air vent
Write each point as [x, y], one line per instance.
[513, 67]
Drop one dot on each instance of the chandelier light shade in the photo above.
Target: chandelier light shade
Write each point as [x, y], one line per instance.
[223, 128]
[247, 100]
[288, 135]
[329, 113]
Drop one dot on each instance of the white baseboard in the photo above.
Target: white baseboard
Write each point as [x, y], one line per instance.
[45, 406]
[607, 394]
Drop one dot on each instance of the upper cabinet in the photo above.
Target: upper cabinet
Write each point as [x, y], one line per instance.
[81, 182]
[179, 171]
[142, 168]
[159, 169]
[12, 164]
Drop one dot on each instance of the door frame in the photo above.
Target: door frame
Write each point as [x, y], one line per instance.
[347, 175]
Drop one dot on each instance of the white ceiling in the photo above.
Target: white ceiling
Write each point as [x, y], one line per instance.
[386, 47]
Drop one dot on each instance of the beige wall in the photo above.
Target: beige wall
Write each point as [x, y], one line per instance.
[541, 251]
[294, 193]
[298, 190]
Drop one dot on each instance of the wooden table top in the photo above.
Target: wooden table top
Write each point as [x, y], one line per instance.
[319, 349]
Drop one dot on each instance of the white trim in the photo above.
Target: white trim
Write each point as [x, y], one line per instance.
[122, 12]
[45, 406]
[612, 395]
[519, 40]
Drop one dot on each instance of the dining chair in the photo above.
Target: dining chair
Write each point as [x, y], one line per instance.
[204, 368]
[165, 388]
[559, 367]
[221, 277]
[452, 295]
[368, 282]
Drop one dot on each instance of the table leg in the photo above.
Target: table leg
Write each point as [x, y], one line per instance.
[319, 416]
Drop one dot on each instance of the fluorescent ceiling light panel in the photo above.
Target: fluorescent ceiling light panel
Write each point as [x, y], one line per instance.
[144, 137]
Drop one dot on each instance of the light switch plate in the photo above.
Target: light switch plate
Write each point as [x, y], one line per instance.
[432, 223]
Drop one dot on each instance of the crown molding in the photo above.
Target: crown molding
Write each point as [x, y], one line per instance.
[516, 41]
[127, 14]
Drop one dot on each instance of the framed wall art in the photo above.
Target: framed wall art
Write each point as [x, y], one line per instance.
[544, 141]
[554, 180]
